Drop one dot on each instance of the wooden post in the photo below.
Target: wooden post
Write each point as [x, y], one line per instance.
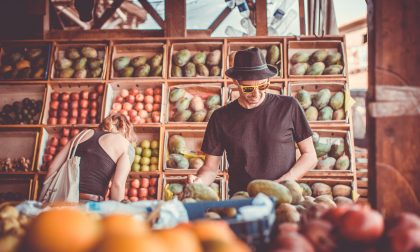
[261, 17]
[394, 137]
[175, 18]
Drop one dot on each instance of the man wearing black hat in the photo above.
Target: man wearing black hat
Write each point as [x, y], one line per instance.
[258, 130]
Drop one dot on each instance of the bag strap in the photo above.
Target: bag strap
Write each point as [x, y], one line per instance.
[75, 143]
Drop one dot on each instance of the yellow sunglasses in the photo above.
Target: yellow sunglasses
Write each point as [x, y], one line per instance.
[250, 89]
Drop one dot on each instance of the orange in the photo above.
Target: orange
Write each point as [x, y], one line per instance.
[145, 243]
[181, 239]
[210, 230]
[123, 224]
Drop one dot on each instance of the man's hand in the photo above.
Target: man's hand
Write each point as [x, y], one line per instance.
[193, 179]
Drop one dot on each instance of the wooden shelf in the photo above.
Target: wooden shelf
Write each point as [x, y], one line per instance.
[17, 173]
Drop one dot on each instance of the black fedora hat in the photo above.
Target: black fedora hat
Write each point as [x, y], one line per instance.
[250, 64]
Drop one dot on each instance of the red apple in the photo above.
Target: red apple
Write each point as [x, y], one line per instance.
[65, 132]
[54, 105]
[133, 199]
[53, 113]
[93, 121]
[62, 120]
[74, 96]
[133, 91]
[84, 103]
[143, 192]
[138, 106]
[84, 94]
[47, 158]
[142, 120]
[74, 104]
[51, 150]
[116, 106]
[93, 96]
[144, 182]
[64, 113]
[143, 114]
[74, 113]
[149, 120]
[157, 91]
[64, 141]
[148, 99]
[55, 95]
[139, 97]
[93, 104]
[83, 113]
[100, 89]
[156, 107]
[65, 96]
[74, 132]
[148, 107]
[54, 141]
[127, 106]
[93, 113]
[124, 112]
[73, 120]
[148, 91]
[155, 118]
[119, 99]
[153, 181]
[132, 192]
[52, 120]
[136, 120]
[132, 113]
[157, 98]
[64, 105]
[135, 183]
[152, 191]
[81, 120]
[124, 92]
[131, 99]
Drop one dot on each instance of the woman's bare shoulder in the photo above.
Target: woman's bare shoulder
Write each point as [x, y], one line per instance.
[117, 139]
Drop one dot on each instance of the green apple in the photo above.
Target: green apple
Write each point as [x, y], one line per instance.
[137, 159]
[147, 153]
[145, 161]
[145, 168]
[153, 167]
[145, 144]
[138, 150]
[154, 144]
[135, 167]
[155, 153]
[154, 160]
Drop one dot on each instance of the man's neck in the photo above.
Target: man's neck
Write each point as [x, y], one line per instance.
[243, 102]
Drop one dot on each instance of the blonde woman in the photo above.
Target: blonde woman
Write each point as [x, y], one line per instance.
[105, 154]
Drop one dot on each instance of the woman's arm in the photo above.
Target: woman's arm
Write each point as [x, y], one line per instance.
[120, 176]
[59, 159]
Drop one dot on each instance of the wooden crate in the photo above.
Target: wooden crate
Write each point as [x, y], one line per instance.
[312, 46]
[113, 90]
[195, 48]
[168, 179]
[12, 93]
[233, 47]
[150, 133]
[17, 143]
[138, 49]
[7, 47]
[139, 176]
[332, 182]
[315, 87]
[232, 92]
[69, 88]
[204, 90]
[59, 52]
[16, 188]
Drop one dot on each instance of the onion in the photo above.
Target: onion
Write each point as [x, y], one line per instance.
[404, 240]
[319, 233]
[404, 220]
[287, 227]
[333, 215]
[293, 242]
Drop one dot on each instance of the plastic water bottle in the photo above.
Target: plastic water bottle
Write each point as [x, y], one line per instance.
[243, 8]
[232, 32]
[280, 12]
[246, 23]
[230, 3]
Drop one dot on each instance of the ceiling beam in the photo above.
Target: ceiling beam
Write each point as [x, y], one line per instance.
[219, 19]
[175, 19]
[261, 17]
[149, 8]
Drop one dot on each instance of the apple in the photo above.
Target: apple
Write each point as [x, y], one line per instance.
[73, 120]
[84, 94]
[64, 113]
[64, 141]
[62, 120]
[93, 104]
[74, 104]
[55, 95]
[145, 168]
[54, 141]
[136, 120]
[152, 191]
[153, 167]
[138, 106]
[148, 91]
[148, 107]
[135, 167]
[153, 160]
[156, 107]
[148, 99]
[133, 91]
[132, 192]
[52, 120]
[116, 106]
[144, 182]
[119, 99]
[135, 183]
[84, 103]
[93, 96]
[127, 106]
[131, 99]
[133, 199]
[100, 89]
[54, 105]
[142, 120]
[137, 159]
[74, 132]
[155, 117]
[53, 113]
[47, 158]
[149, 120]
[93, 113]
[65, 96]
[143, 198]
[65, 132]
[153, 181]
[124, 92]
[51, 150]
[142, 192]
[74, 113]
[157, 98]
[81, 120]
[83, 113]
[93, 121]
[64, 105]
[143, 114]
[132, 113]
[157, 91]
[138, 151]
[74, 96]
[124, 112]
[139, 97]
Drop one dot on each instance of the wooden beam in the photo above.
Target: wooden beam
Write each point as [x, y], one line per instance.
[261, 18]
[219, 19]
[107, 14]
[102, 34]
[302, 17]
[149, 8]
[199, 33]
[175, 18]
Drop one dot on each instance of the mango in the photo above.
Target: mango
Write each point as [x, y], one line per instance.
[326, 164]
[183, 104]
[15, 57]
[299, 57]
[138, 61]
[177, 144]
[176, 94]
[322, 149]
[213, 101]
[315, 69]
[325, 114]
[306, 189]
[318, 56]
[89, 52]
[215, 71]
[287, 213]
[72, 53]
[337, 101]
[39, 73]
[325, 199]
[273, 55]
[66, 73]
[322, 98]
[319, 189]
[240, 195]
[176, 188]
[315, 137]
[34, 53]
[21, 64]
[343, 163]
[95, 63]
[196, 163]
[198, 116]
[63, 63]
[121, 62]
[182, 57]
[299, 69]
[157, 71]
[188, 200]
[176, 71]
[304, 98]
[200, 192]
[333, 69]
[341, 190]
[199, 58]
[189, 70]
[127, 71]
[156, 60]
[339, 200]
[80, 74]
[177, 161]
[337, 148]
[214, 57]
[210, 112]
[271, 189]
[339, 114]
[295, 190]
[333, 58]
[80, 63]
[95, 72]
[197, 103]
[142, 71]
[182, 116]
[311, 114]
[202, 70]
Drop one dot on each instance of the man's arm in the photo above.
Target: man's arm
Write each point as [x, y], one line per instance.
[208, 172]
[307, 161]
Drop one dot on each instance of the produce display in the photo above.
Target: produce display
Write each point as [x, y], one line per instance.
[139, 66]
[147, 156]
[24, 63]
[79, 62]
[187, 107]
[319, 62]
[143, 188]
[331, 153]
[180, 156]
[272, 55]
[76, 107]
[56, 143]
[27, 111]
[191, 192]
[139, 106]
[16, 164]
[196, 64]
[322, 105]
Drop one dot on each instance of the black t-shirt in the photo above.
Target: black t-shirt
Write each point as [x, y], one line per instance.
[259, 142]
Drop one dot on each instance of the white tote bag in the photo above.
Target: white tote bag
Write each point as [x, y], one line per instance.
[63, 184]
